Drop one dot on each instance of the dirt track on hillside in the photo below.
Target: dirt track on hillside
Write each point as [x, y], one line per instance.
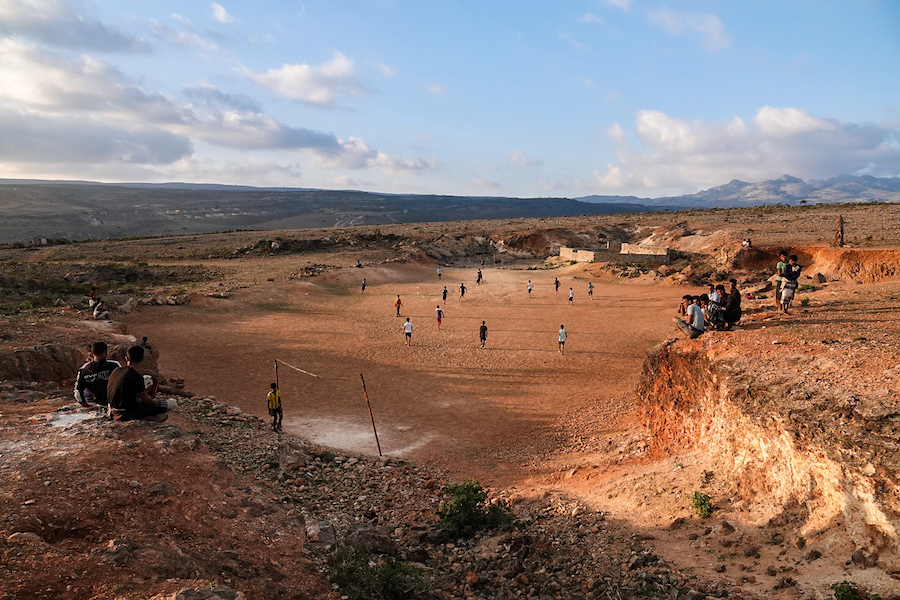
[484, 413]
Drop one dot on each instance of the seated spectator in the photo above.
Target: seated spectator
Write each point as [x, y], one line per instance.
[685, 302]
[693, 328]
[90, 382]
[100, 310]
[712, 314]
[713, 294]
[733, 304]
[129, 394]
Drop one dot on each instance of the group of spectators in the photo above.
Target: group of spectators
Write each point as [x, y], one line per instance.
[127, 393]
[716, 309]
[720, 310]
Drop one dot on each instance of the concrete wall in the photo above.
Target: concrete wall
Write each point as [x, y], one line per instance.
[661, 251]
[576, 254]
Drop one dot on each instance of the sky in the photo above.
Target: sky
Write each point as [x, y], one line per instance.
[524, 98]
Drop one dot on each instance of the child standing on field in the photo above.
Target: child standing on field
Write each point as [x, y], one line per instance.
[273, 399]
[407, 331]
[439, 314]
[562, 339]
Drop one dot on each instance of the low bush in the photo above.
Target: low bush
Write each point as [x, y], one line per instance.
[701, 504]
[360, 575]
[847, 590]
[468, 511]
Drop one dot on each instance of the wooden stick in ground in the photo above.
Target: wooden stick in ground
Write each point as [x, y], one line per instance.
[287, 364]
[371, 416]
[277, 387]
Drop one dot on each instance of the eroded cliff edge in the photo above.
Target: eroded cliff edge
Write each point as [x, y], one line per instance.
[801, 430]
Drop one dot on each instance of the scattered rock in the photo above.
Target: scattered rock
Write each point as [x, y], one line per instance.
[24, 537]
[372, 540]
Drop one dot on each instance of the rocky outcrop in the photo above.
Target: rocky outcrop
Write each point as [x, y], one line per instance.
[848, 264]
[793, 446]
[50, 362]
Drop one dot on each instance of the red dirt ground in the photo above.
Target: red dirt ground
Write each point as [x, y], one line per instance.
[485, 413]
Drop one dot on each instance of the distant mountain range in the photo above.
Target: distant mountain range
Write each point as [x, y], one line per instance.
[31, 210]
[784, 190]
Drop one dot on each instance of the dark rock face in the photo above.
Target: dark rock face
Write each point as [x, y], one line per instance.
[51, 362]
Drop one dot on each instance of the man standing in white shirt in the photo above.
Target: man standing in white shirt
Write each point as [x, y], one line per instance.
[407, 330]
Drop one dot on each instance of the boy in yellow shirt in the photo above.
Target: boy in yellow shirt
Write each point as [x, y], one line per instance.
[274, 400]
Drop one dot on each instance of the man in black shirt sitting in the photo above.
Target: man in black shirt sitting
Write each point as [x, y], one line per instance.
[129, 397]
[90, 383]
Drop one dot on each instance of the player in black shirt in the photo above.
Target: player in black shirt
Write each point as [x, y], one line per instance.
[90, 383]
[128, 396]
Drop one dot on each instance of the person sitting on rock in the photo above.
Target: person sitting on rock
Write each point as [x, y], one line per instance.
[130, 395]
[90, 382]
[712, 314]
[101, 313]
[694, 326]
[733, 304]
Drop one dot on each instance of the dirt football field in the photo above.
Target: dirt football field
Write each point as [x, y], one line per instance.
[494, 413]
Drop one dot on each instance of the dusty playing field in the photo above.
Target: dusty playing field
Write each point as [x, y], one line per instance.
[483, 413]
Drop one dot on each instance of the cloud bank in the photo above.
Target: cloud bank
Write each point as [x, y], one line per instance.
[685, 156]
[60, 108]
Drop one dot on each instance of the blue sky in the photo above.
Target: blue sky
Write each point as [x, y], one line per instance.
[525, 98]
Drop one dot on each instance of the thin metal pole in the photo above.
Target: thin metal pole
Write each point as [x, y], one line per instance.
[278, 387]
[371, 416]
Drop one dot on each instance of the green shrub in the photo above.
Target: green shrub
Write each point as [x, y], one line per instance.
[26, 305]
[807, 287]
[804, 301]
[847, 590]
[701, 504]
[361, 576]
[469, 512]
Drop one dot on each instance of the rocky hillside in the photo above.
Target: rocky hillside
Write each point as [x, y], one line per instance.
[784, 190]
[797, 417]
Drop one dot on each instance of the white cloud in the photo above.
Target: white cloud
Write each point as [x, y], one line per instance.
[350, 183]
[436, 89]
[221, 15]
[387, 70]
[708, 26]
[552, 186]
[522, 160]
[355, 153]
[592, 18]
[114, 117]
[319, 86]
[243, 171]
[180, 39]
[677, 156]
[483, 183]
[53, 22]
[52, 139]
[581, 47]
[624, 5]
